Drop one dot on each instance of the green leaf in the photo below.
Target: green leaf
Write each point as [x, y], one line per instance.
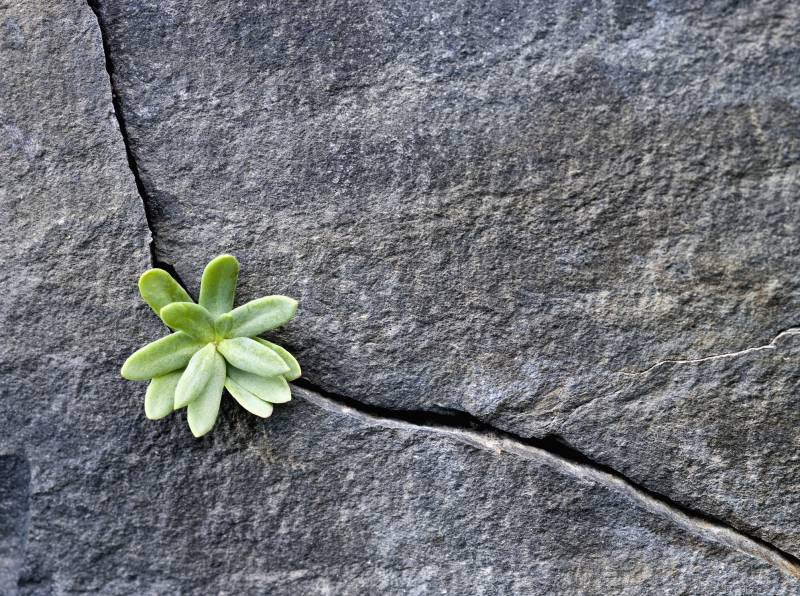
[272, 389]
[262, 315]
[160, 395]
[291, 362]
[247, 354]
[247, 400]
[192, 319]
[158, 289]
[202, 412]
[222, 326]
[196, 376]
[218, 285]
[160, 357]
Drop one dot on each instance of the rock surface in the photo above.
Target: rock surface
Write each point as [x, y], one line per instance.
[502, 209]
[508, 210]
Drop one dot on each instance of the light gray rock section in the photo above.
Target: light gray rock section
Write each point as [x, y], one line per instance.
[95, 498]
[499, 207]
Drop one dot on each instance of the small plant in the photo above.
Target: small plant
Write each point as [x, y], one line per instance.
[214, 346]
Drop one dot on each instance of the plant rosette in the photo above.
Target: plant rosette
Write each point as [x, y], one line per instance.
[213, 347]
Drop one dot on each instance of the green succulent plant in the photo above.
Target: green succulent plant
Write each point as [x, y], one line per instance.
[213, 346]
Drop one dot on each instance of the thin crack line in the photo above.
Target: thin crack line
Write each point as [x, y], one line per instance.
[770, 346]
[116, 103]
[560, 457]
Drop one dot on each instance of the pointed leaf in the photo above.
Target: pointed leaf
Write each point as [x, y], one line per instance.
[218, 286]
[192, 319]
[262, 315]
[247, 354]
[247, 400]
[272, 389]
[202, 412]
[291, 362]
[160, 395]
[196, 376]
[158, 289]
[160, 357]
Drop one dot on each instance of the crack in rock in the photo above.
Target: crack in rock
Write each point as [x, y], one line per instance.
[116, 103]
[558, 456]
[772, 345]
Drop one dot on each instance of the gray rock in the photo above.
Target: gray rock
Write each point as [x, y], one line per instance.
[502, 208]
[14, 509]
[725, 429]
[482, 207]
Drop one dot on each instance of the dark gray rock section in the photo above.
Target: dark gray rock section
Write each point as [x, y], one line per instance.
[733, 422]
[499, 206]
[14, 506]
[308, 504]
[108, 502]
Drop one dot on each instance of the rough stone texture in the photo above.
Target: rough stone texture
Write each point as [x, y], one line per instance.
[724, 435]
[14, 509]
[501, 207]
[496, 207]
[482, 204]
[308, 505]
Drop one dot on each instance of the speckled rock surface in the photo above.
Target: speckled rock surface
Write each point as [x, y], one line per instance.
[504, 208]
[484, 204]
[511, 210]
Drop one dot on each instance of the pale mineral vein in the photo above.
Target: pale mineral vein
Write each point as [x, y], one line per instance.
[772, 345]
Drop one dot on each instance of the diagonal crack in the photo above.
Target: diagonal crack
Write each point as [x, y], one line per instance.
[116, 102]
[558, 456]
[772, 345]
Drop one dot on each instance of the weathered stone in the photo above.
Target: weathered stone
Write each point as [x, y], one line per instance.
[14, 509]
[486, 207]
[502, 207]
[723, 435]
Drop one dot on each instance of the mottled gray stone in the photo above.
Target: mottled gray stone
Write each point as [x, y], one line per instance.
[14, 509]
[501, 207]
[489, 207]
[724, 435]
